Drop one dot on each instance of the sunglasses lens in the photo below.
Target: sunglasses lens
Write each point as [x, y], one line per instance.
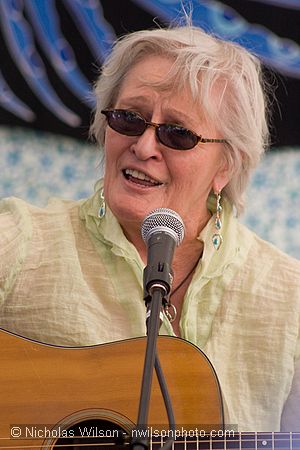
[177, 137]
[131, 123]
[126, 122]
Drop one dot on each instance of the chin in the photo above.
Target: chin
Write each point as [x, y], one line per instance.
[130, 211]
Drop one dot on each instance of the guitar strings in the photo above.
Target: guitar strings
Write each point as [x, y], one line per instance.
[270, 438]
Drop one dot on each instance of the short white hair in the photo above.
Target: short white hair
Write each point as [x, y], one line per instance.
[200, 60]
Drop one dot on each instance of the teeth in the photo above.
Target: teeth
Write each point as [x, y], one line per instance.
[140, 175]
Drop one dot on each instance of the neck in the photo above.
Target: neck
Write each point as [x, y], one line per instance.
[186, 254]
[186, 259]
[186, 278]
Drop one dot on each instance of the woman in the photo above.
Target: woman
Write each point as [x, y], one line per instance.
[181, 116]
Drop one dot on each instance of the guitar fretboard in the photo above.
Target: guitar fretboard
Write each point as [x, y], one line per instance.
[232, 440]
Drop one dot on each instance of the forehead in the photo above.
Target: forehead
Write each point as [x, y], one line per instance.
[153, 71]
[153, 83]
[153, 77]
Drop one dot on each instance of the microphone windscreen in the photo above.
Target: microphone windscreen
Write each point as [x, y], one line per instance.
[165, 220]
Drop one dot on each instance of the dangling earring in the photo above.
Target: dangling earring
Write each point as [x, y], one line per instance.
[217, 238]
[102, 209]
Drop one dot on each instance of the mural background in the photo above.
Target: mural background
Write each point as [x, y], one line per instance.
[50, 54]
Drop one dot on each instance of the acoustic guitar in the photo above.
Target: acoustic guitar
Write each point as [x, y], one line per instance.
[87, 397]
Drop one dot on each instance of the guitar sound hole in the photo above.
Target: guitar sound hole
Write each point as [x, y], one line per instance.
[88, 433]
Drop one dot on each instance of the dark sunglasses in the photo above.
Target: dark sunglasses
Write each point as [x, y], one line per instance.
[131, 123]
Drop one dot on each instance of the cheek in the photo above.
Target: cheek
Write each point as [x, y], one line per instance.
[197, 173]
[189, 167]
[113, 146]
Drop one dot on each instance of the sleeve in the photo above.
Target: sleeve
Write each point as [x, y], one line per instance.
[290, 419]
[15, 235]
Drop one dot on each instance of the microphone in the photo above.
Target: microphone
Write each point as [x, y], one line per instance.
[162, 230]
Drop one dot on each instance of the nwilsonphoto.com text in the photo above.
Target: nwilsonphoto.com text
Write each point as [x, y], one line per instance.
[182, 432]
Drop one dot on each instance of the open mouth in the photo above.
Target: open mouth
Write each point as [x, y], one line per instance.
[137, 177]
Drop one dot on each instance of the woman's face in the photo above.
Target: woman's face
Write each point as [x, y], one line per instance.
[141, 173]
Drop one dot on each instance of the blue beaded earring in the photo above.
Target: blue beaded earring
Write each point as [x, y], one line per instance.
[217, 238]
[102, 209]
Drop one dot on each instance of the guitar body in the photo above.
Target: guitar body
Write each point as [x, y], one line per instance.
[44, 387]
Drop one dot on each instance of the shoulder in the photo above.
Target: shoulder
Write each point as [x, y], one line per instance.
[264, 253]
[265, 288]
[15, 226]
[29, 235]
[16, 215]
[268, 270]
[22, 225]
[15, 236]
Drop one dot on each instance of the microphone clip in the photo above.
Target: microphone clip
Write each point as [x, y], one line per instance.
[158, 273]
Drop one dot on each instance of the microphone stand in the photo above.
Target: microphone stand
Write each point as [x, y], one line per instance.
[162, 230]
[157, 285]
[141, 438]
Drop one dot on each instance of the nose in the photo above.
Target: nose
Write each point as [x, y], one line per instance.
[147, 145]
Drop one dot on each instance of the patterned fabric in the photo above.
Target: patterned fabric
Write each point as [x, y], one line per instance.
[35, 166]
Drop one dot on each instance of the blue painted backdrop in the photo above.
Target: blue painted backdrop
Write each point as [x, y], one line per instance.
[50, 52]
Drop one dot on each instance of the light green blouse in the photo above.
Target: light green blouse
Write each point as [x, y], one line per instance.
[68, 277]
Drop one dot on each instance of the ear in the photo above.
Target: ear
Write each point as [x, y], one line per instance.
[221, 178]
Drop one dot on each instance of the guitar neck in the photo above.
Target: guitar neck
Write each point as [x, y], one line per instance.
[225, 440]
